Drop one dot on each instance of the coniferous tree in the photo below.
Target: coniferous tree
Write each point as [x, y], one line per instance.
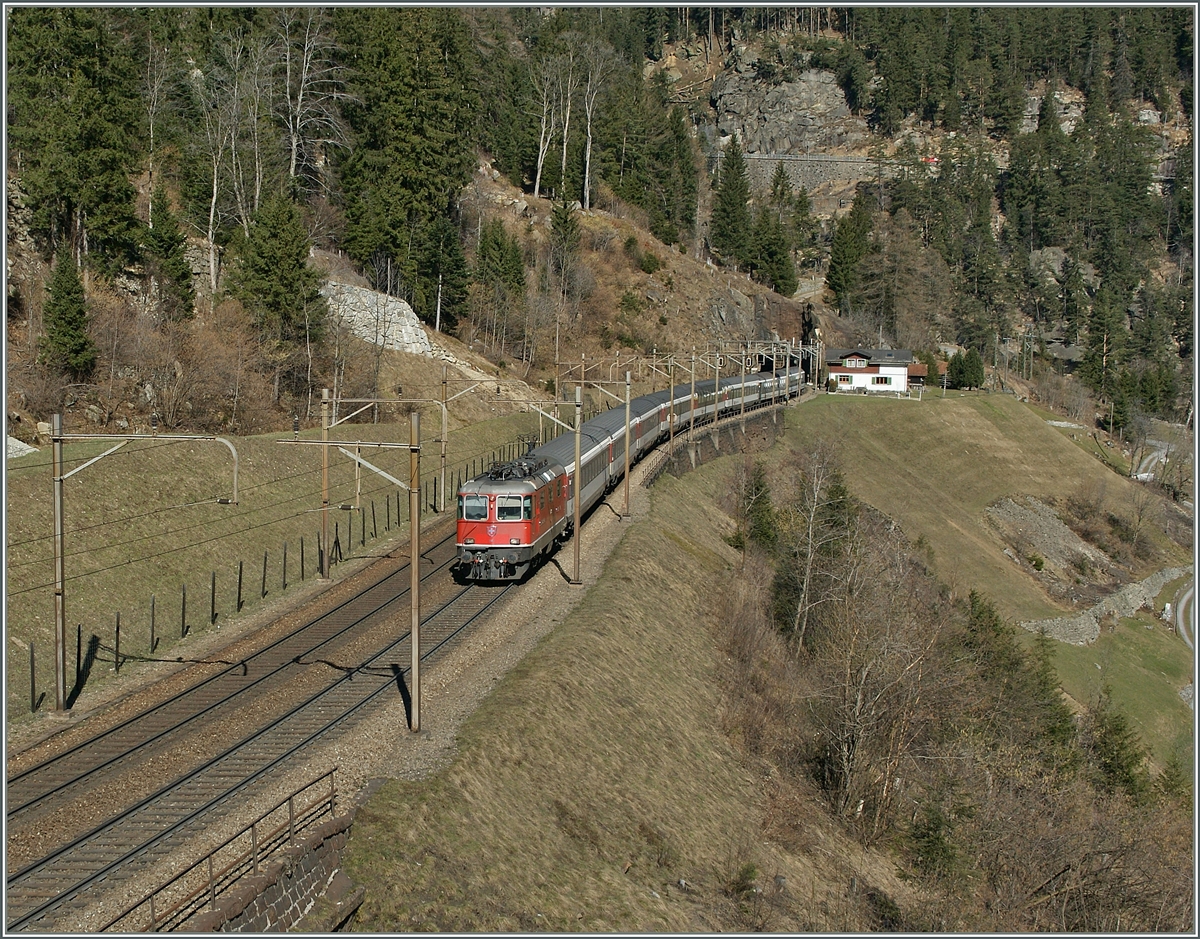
[850, 244]
[440, 289]
[164, 244]
[272, 278]
[67, 345]
[772, 261]
[973, 372]
[731, 226]
[956, 371]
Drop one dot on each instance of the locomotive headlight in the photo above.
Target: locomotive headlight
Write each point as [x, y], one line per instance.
[514, 540]
[468, 541]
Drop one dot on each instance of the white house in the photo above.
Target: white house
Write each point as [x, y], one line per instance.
[866, 370]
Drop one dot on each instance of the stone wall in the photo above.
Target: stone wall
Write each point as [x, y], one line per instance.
[288, 887]
[377, 318]
[756, 434]
[1083, 628]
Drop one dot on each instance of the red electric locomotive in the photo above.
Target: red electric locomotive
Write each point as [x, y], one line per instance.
[509, 517]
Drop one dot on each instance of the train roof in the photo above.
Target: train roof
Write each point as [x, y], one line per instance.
[559, 454]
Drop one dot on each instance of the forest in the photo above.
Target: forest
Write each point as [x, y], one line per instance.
[171, 162]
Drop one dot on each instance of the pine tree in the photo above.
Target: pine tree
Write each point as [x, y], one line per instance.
[272, 278]
[67, 345]
[973, 372]
[731, 227]
[164, 244]
[956, 371]
[772, 261]
[850, 243]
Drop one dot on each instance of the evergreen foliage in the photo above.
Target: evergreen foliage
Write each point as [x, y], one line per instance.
[271, 276]
[849, 247]
[1118, 757]
[731, 232]
[67, 346]
[164, 247]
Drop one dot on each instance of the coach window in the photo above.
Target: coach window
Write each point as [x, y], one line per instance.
[472, 508]
[508, 508]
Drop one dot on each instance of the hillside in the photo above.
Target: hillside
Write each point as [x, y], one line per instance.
[937, 465]
[596, 790]
[649, 765]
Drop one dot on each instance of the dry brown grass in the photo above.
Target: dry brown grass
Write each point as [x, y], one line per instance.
[144, 522]
[599, 776]
[935, 465]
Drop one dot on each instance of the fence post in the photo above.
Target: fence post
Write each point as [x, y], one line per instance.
[362, 537]
[301, 557]
[212, 599]
[291, 819]
[183, 612]
[153, 638]
[78, 651]
[264, 576]
[387, 502]
[374, 526]
[32, 679]
[117, 646]
[212, 887]
[239, 595]
[285, 565]
[254, 844]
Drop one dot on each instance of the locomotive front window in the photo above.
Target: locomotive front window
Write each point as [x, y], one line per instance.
[508, 508]
[472, 508]
[528, 508]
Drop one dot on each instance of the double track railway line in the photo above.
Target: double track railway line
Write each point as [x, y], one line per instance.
[216, 744]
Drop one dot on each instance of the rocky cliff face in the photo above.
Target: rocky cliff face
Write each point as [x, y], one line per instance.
[805, 116]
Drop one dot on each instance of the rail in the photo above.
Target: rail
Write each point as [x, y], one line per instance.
[188, 892]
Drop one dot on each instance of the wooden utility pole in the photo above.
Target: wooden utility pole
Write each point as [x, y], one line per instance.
[60, 615]
[626, 445]
[414, 526]
[325, 484]
[578, 484]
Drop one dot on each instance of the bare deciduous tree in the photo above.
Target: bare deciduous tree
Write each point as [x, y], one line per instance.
[567, 73]
[599, 62]
[811, 521]
[209, 91]
[542, 78]
[312, 89]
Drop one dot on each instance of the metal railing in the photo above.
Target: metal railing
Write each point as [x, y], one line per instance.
[173, 902]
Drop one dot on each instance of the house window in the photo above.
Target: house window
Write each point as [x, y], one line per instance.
[856, 363]
[843, 379]
[881, 380]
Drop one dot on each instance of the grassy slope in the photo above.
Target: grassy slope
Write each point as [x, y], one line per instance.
[597, 774]
[935, 465]
[133, 529]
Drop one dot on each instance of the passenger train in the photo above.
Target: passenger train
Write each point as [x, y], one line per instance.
[512, 517]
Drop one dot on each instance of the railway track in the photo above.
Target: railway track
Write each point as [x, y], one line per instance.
[37, 791]
[68, 882]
